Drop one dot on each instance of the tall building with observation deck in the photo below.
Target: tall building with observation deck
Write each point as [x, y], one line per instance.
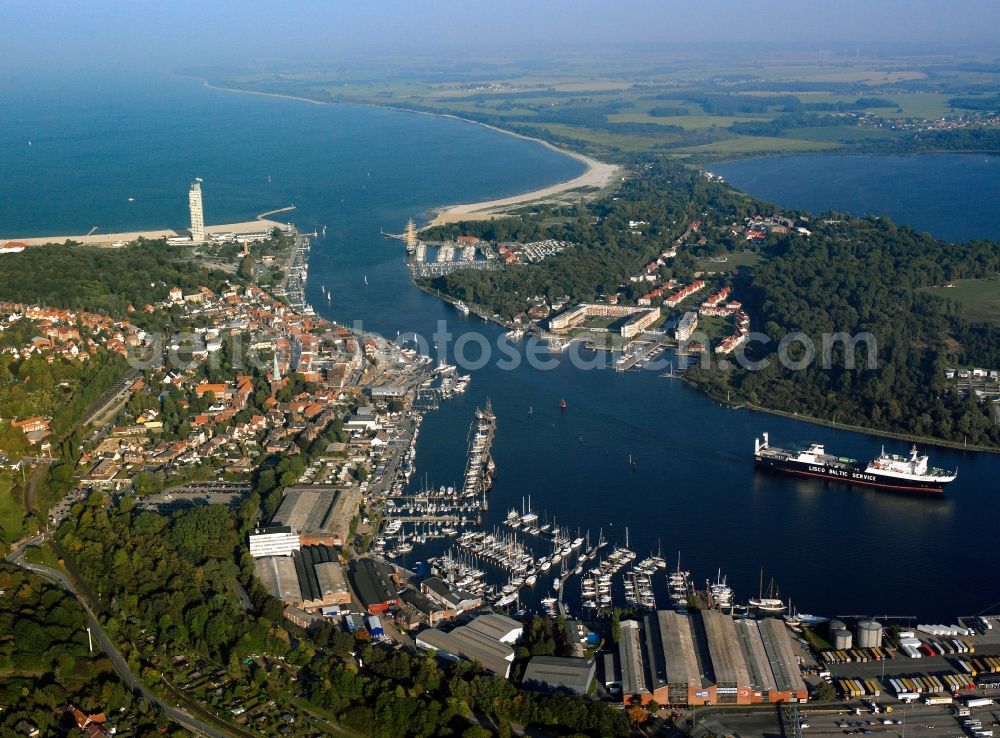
[197, 213]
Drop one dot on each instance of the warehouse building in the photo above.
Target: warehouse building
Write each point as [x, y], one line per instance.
[321, 513]
[477, 641]
[498, 627]
[707, 658]
[455, 601]
[559, 674]
[684, 681]
[419, 609]
[374, 584]
[310, 578]
[725, 657]
[276, 540]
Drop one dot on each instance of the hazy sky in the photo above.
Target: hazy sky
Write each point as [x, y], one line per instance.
[173, 33]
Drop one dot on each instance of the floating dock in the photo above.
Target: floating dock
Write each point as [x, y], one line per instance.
[479, 466]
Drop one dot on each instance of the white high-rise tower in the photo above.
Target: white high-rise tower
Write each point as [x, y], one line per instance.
[197, 214]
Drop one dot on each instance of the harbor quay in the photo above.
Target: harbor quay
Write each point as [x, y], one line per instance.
[117, 240]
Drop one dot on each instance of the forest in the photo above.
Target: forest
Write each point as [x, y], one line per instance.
[101, 280]
[62, 389]
[45, 663]
[866, 275]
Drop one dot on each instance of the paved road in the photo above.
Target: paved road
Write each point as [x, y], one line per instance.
[121, 665]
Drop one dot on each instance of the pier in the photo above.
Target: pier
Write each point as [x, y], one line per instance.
[479, 465]
[294, 286]
[637, 353]
[276, 211]
[117, 240]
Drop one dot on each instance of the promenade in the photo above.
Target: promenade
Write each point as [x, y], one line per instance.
[112, 240]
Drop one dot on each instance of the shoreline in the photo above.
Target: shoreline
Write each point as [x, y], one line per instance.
[111, 240]
[924, 440]
[597, 175]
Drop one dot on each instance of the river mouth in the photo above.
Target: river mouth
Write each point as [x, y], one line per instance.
[630, 449]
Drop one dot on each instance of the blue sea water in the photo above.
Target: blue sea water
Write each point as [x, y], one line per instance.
[692, 488]
[950, 196]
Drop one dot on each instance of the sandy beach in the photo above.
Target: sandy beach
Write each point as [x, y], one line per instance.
[597, 176]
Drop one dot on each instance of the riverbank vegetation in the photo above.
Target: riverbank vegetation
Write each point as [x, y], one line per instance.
[842, 275]
[857, 277]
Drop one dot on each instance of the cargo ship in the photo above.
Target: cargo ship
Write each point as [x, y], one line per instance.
[887, 471]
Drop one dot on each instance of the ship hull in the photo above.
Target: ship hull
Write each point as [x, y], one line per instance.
[849, 475]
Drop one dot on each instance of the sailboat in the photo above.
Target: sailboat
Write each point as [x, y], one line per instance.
[792, 619]
[769, 603]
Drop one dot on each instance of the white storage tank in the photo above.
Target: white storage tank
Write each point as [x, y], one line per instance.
[842, 639]
[869, 634]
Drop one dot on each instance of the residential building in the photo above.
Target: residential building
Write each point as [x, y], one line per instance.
[638, 322]
[686, 326]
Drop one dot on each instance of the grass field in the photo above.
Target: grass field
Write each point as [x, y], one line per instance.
[757, 144]
[837, 134]
[714, 326]
[911, 104]
[687, 122]
[42, 555]
[11, 512]
[621, 142]
[738, 259]
[920, 105]
[979, 298]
